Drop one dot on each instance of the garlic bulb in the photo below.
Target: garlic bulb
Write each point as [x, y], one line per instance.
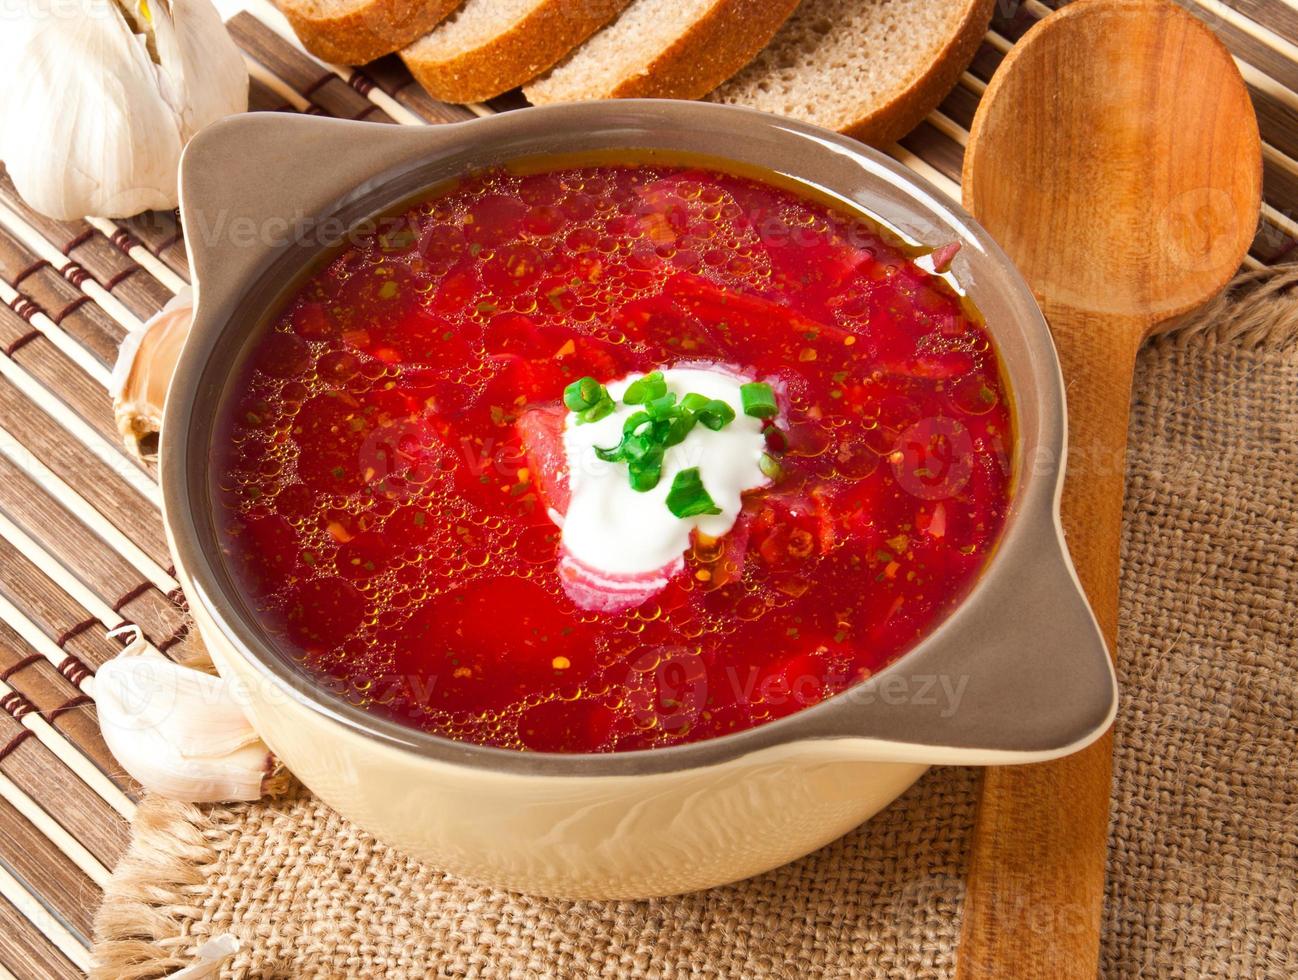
[177, 730]
[145, 362]
[102, 95]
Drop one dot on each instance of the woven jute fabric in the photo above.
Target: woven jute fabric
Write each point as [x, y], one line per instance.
[1203, 867]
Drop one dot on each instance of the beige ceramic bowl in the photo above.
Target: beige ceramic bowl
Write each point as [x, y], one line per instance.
[1017, 673]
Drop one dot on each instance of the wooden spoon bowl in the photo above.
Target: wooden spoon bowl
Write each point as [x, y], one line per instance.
[1115, 156]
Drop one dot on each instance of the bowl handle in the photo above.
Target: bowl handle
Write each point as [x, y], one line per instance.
[1019, 673]
[244, 195]
[255, 185]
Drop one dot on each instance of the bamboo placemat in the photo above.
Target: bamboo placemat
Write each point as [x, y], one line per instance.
[82, 549]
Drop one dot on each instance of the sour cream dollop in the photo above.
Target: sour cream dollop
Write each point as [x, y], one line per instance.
[613, 529]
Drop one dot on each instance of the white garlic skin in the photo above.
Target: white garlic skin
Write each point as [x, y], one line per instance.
[178, 731]
[146, 360]
[209, 958]
[90, 122]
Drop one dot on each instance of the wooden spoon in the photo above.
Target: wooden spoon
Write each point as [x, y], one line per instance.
[1115, 156]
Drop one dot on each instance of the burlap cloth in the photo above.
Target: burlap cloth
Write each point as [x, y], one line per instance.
[1204, 839]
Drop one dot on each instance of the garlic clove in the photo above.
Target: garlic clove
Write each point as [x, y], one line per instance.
[178, 731]
[145, 363]
[202, 78]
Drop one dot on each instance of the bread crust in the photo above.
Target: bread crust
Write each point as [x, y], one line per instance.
[364, 33]
[894, 119]
[531, 46]
[714, 48]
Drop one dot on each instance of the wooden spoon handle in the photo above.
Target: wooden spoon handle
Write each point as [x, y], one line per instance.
[1035, 886]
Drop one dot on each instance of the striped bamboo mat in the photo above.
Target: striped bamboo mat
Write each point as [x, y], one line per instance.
[82, 548]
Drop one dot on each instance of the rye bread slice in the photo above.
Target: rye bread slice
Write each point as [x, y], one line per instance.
[869, 68]
[352, 32]
[675, 49]
[491, 46]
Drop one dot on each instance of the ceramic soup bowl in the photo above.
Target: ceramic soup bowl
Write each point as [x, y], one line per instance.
[1017, 673]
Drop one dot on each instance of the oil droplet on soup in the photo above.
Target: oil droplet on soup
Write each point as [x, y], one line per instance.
[382, 508]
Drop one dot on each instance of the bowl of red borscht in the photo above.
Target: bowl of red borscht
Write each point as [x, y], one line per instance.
[618, 499]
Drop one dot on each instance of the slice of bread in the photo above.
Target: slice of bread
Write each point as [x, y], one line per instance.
[671, 49]
[869, 68]
[490, 46]
[352, 32]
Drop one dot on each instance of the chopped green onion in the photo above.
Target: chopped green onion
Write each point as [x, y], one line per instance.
[759, 400]
[647, 434]
[694, 401]
[638, 448]
[662, 407]
[770, 467]
[715, 415]
[645, 389]
[583, 393]
[597, 411]
[589, 399]
[613, 455]
[644, 463]
[633, 423]
[645, 476]
[688, 497]
[680, 428]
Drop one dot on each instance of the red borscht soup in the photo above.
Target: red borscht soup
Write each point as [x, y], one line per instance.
[612, 457]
